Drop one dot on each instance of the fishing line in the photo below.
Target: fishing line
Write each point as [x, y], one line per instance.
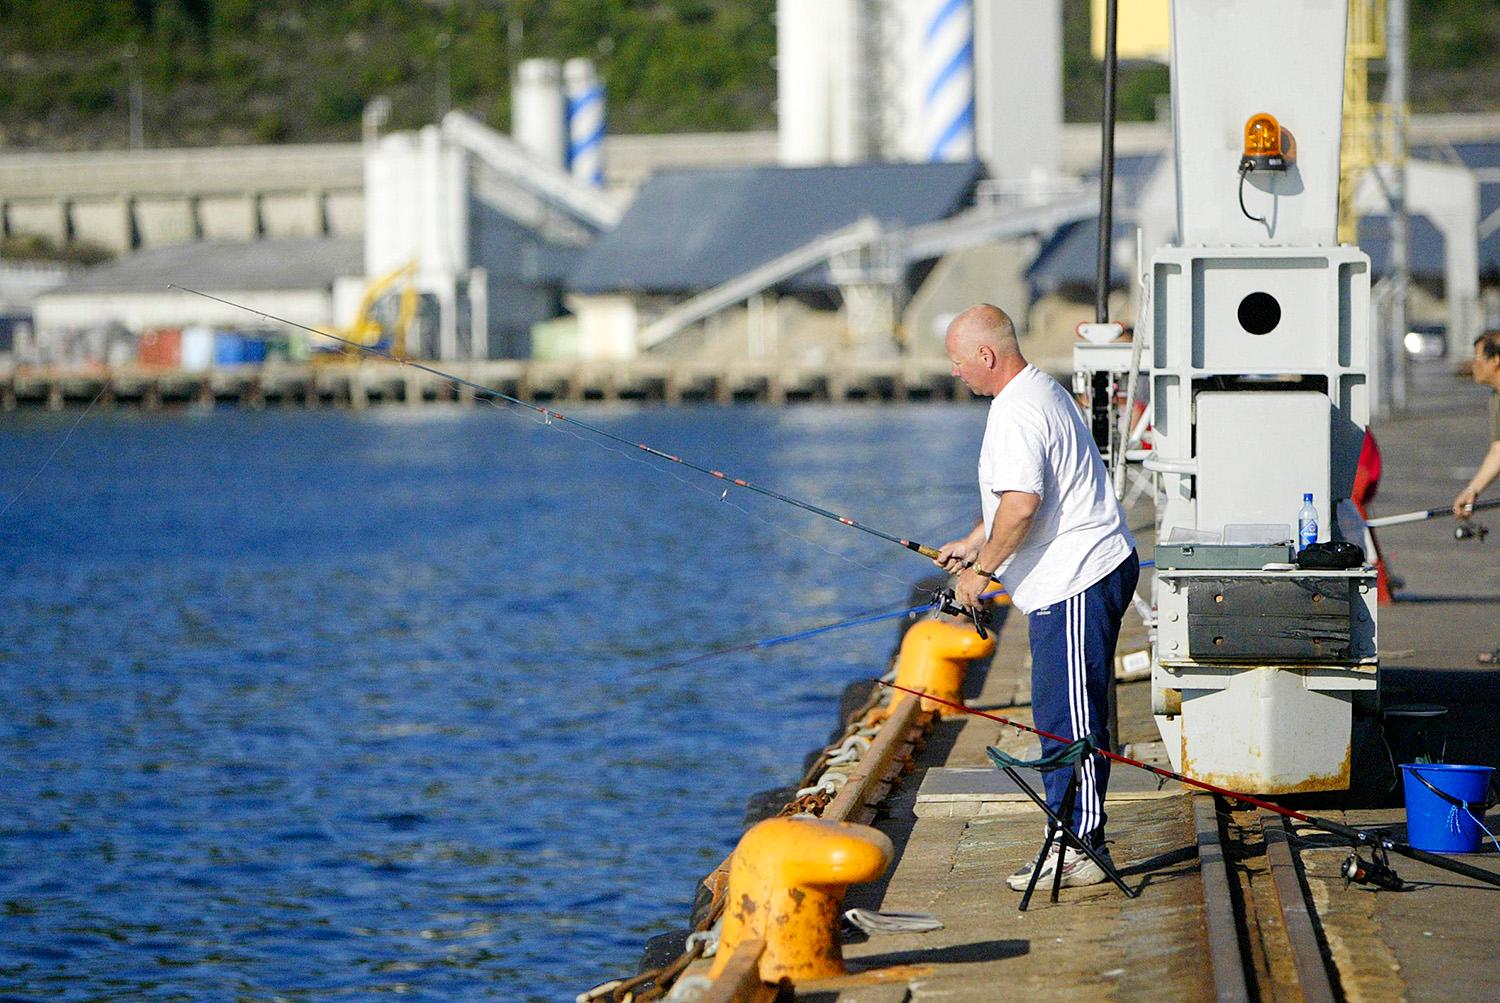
[550, 415]
[854, 620]
[509, 408]
[858, 619]
[55, 450]
[634, 456]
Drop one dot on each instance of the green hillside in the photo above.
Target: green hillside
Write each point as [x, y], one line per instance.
[235, 71]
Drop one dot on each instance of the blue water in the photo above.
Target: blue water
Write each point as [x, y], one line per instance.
[319, 705]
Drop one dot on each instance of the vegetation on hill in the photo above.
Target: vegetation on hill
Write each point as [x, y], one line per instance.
[236, 71]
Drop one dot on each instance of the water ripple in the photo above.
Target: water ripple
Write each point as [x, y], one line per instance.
[316, 705]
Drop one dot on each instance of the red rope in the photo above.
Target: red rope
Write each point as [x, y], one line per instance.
[1205, 785]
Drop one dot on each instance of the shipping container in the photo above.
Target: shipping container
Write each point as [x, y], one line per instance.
[297, 346]
[120, 351]
[7, 335]
[229, 348]
[197, 349]
[254, 351]
[161, 347]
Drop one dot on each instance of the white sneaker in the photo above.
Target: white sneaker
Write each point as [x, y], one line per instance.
[1078, 870]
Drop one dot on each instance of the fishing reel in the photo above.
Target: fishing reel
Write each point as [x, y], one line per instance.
[1470, 531]
[944, 601]
[1375, 871]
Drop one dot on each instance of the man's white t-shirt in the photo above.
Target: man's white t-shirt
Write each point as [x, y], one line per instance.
[1035, 440]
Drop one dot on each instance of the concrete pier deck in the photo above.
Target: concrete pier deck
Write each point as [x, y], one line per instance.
[1433, 942]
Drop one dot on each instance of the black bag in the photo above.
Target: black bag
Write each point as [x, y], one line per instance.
[1334, 555]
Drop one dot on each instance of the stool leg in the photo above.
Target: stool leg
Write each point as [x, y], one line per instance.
[1057, 829]
[1093, 854]
[1054, 832]
[1067, 833]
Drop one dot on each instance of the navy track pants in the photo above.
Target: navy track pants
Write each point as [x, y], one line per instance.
[1072, 657]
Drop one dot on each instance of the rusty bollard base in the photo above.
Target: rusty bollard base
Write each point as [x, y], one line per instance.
[786, 887]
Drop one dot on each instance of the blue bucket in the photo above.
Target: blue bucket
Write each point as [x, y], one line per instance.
[1433, 824]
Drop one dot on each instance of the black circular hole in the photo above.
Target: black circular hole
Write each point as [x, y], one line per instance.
[1260, 313]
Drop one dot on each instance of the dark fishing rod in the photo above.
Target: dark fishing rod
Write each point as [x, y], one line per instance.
[552, 415]
[1376, 872]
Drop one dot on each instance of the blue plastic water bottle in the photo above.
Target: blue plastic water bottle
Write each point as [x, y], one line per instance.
[1307, 522]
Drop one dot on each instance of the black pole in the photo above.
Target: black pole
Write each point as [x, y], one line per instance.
[1102, 397]
[1106, 166]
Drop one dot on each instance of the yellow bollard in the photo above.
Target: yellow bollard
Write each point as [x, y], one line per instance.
[786, 887]
[934, 654]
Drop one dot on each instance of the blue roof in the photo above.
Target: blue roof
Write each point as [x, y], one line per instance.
[1070, 257]
[1425, 246]
[1132, 171]
[1427, 254]
[690, 230]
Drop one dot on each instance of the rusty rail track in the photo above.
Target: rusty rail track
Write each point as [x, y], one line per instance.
[1264, 942]
[881, 764]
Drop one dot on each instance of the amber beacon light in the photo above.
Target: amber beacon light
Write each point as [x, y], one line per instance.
[1268, 147]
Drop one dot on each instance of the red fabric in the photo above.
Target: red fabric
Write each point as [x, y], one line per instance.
[1366, 483]
[1366, 474]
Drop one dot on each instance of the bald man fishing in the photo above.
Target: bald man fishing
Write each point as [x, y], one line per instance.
[1054, 535]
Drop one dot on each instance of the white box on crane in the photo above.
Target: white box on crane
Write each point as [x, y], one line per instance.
[1259, 333]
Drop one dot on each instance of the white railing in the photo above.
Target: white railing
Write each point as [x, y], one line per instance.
[506, 156]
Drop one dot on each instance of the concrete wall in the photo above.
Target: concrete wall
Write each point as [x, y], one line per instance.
[150, 198]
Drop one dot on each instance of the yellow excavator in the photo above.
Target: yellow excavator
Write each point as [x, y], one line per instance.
[373, 325]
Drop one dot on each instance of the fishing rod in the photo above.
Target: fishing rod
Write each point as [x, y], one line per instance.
[1376, 872]
[1422, 514]
[551, 415]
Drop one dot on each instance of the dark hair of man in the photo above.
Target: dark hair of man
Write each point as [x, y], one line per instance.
[1491, 342]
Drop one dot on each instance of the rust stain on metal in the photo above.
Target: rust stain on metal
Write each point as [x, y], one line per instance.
[1253, 783]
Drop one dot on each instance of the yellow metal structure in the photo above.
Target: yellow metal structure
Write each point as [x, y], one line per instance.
[367, 327]
[1367, 124]
[1143, 29]
[786, 887]
[933, 657]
